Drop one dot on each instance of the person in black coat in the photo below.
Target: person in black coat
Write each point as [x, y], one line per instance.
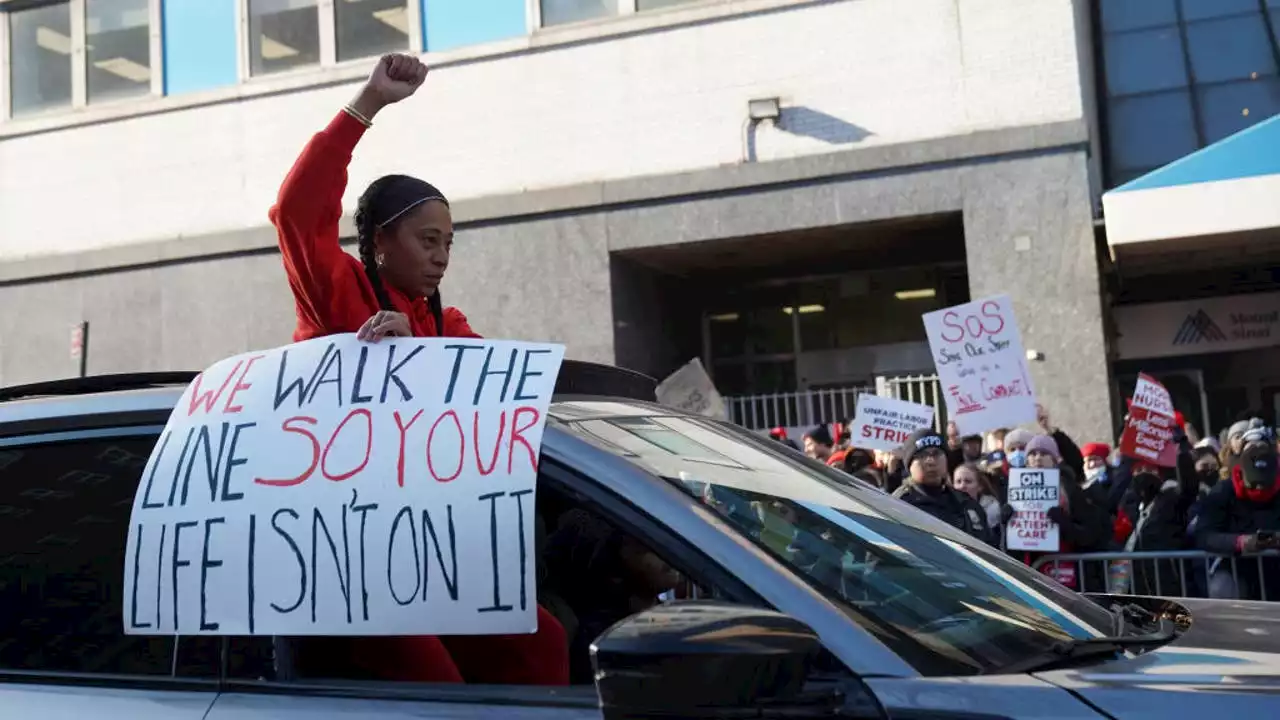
[1242, 517]
[928, 487]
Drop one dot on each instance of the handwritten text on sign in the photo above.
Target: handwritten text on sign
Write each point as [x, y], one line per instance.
[1032, 492]
[336, 487]
[981, 364]
[883, 423]
[1149, 428]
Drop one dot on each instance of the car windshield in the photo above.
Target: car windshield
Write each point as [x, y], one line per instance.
[946, 603]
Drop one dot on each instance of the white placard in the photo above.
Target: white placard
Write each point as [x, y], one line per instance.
[982, 365]
[884, 423]
[335, 487]
[1032, 491]
[690, 389]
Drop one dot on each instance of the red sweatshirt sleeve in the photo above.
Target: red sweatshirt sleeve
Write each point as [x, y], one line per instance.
[456, 325]
[306, 216]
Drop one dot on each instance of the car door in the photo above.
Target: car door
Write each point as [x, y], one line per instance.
[65, 499]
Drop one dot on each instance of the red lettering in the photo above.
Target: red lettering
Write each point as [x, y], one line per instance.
[403, 429]
[208, 399]
[497, 444]
[461, 447]
[866, 431]
[240, 385]
[290, 425]
[991, 311]
[368, 446]
[949, 323]
[518, 437]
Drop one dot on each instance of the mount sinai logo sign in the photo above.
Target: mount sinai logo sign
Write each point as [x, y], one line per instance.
[1199, 327]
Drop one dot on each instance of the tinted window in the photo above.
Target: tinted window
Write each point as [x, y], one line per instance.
[283, 34]
[372, 27]
[118, 48]
[65, 510]
[946, 603]
[40, 59]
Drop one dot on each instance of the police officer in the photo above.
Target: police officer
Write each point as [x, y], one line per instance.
[926, 487]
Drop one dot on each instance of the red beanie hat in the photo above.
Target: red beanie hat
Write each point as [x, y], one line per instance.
[1101, 450]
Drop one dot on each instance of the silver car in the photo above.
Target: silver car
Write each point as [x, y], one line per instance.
[802, 593]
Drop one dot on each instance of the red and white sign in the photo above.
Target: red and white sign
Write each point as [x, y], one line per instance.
[982, 365]
[884, 423]
[1148, 431]
[1032, 492]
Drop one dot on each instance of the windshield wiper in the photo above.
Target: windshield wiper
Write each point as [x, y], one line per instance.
[1072, 652]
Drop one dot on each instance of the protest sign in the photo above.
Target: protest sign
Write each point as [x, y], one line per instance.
[981, 364]
[1148, 431]
[883, 423]
[690, 389]
[335, 487]
[1032, 491]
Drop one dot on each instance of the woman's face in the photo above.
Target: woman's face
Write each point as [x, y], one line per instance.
[966, 481]
[1207, 464]
[415, 249]
[1041, 459]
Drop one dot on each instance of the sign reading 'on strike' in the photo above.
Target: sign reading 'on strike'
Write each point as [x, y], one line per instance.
[334, 487]
[981, 364]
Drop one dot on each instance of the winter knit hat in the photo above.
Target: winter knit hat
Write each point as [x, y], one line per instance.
[1044, 444]
[1098, 450]
[1237, 429]
[922, 439]
[1017, 436]
[1210, 443]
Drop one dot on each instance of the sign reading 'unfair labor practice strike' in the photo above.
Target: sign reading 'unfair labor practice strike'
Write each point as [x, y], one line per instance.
[335, 487]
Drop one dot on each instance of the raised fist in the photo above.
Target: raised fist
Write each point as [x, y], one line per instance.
[396, 77]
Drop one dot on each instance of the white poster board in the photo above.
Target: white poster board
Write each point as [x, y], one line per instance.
[690, 389]
[335, 487]
[981, 365]
[1032, 491]
[884, 423]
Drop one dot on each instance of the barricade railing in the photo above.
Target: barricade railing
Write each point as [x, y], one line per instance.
[802, 409]
[1173, 573]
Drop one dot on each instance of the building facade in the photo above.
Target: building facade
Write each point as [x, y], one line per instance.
[780, 187]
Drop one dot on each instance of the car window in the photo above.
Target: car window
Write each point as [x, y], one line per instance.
[65, 502]
[946, 603]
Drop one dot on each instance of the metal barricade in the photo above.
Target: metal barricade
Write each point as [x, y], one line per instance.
[794, 409]
[1174, 573]
[919, 389]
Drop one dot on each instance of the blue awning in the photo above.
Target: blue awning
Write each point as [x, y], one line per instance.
[1231, 186]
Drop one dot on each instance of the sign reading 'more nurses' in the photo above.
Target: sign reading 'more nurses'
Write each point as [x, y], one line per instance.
[1221, 324]
[335, 487]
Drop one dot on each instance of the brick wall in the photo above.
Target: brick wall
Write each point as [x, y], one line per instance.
[858, 72]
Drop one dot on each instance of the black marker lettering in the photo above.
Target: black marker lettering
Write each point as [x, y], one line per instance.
[205, 564]
[302, 563]
[486, 372]
[457, 365]
[356, 397]
[429, 529]
[303, 390]
[178, 563]
[177, 469]
[335, 360]
[518, 495]
[405, 512]
[234, 462]
[212, 468]
[364, 514]
[525, 374]
[253, 537]
[137, 557]
[497, 605]
[318, 523]
[151, 477]
[390, 375]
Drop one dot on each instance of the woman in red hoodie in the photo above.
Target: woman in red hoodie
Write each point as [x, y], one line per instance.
[405, 232]
[403, 227]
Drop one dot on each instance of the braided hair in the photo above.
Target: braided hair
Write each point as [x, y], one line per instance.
[381, 206]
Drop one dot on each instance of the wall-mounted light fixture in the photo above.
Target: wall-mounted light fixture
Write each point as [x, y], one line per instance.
[764, 109]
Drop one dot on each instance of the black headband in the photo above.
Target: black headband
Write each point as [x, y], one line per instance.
[399, 195]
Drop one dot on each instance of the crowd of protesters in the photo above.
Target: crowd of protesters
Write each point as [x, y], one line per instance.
[1222, 496]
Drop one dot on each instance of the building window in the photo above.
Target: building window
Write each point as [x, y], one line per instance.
[1183, 74]
[561, 12]
[117, 48]
[371, 27]
[643, 5]
[283, 35]
[40, 66]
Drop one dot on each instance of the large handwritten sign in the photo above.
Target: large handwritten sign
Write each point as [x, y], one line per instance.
[981, 365]
[1032, 492]
[1149, 429]
[336, 487]
[883, 423]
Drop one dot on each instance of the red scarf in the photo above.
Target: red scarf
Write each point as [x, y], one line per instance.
[1254, 495]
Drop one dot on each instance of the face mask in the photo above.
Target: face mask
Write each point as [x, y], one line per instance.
[1098, 474]
[1018, 459]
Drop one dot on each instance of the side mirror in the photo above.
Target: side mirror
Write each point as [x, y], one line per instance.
[707, 659]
